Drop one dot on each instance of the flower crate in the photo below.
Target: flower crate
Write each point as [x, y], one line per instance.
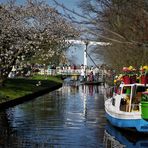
[126, 79]
[144, 79]
[133, 79]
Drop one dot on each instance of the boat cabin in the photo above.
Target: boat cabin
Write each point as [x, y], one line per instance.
[128, 97]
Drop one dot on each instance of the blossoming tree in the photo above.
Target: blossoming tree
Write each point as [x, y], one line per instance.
[33, 31]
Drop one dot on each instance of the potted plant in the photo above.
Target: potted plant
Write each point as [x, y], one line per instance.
[144, 105]
[144, 74]
[129, 75]
[126, 77]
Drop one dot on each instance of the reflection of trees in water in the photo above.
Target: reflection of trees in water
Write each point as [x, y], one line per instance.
[90, 89]
[4, 121]
[50, 111]
[74, 89]
[93, 89]
[8, 136]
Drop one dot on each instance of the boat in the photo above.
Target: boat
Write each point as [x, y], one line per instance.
[92, 82]
[85, 82]
[127, 106]
[92, 79]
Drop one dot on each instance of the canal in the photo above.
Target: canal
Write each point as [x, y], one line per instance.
[70, 117]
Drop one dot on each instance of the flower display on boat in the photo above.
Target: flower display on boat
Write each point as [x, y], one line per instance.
[144, 70]
[118, 78]
[132, 75]
[129, 70]
[143, 74]
[129, 75]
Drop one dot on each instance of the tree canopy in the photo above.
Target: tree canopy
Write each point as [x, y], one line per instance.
[32, 32]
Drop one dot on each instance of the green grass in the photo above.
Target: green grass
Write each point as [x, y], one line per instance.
[51, 78]
[15, 88]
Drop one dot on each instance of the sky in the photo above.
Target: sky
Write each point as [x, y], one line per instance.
[75, 53]
[72, 4]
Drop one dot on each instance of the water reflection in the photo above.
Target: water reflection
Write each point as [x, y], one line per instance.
[70, 117]
[115, 137]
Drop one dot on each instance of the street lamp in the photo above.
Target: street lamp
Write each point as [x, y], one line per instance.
[85, 57]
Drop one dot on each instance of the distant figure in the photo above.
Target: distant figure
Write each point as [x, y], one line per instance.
[91, 76]
[96, 74]
[53, 69]
[82, 75]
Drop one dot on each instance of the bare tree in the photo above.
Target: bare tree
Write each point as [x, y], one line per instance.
[123, 23]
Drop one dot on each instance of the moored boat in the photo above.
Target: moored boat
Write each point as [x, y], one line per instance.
[92, 79]
[127, 107]
[92, 82]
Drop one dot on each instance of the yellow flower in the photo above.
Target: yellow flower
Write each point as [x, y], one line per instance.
[130, 67]
[145, 67]
[115, 81]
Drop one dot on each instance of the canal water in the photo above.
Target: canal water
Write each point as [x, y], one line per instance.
[70, 117]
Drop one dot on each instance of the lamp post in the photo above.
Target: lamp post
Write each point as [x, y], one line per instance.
[85, 58]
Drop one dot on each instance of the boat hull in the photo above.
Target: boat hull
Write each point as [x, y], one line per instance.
[140, 125]
[91, 82]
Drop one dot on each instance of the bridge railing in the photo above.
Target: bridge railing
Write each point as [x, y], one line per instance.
[59, 71]
[100, 76]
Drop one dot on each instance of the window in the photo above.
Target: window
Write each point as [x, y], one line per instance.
[113, 101]
[126, 90]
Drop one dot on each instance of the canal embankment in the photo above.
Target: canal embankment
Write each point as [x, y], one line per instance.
[19, 90]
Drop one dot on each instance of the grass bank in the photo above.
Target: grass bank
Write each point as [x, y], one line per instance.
[19, 87]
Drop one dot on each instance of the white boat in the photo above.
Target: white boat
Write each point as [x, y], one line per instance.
[125, 109]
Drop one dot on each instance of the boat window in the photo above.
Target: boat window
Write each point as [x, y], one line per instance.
[137, 97]
[141, 89]
[124, 104]
[113, 101]
[126, 90]
[138, 94]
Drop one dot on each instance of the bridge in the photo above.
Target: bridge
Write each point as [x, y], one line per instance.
[73, 73]
[76, 73]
